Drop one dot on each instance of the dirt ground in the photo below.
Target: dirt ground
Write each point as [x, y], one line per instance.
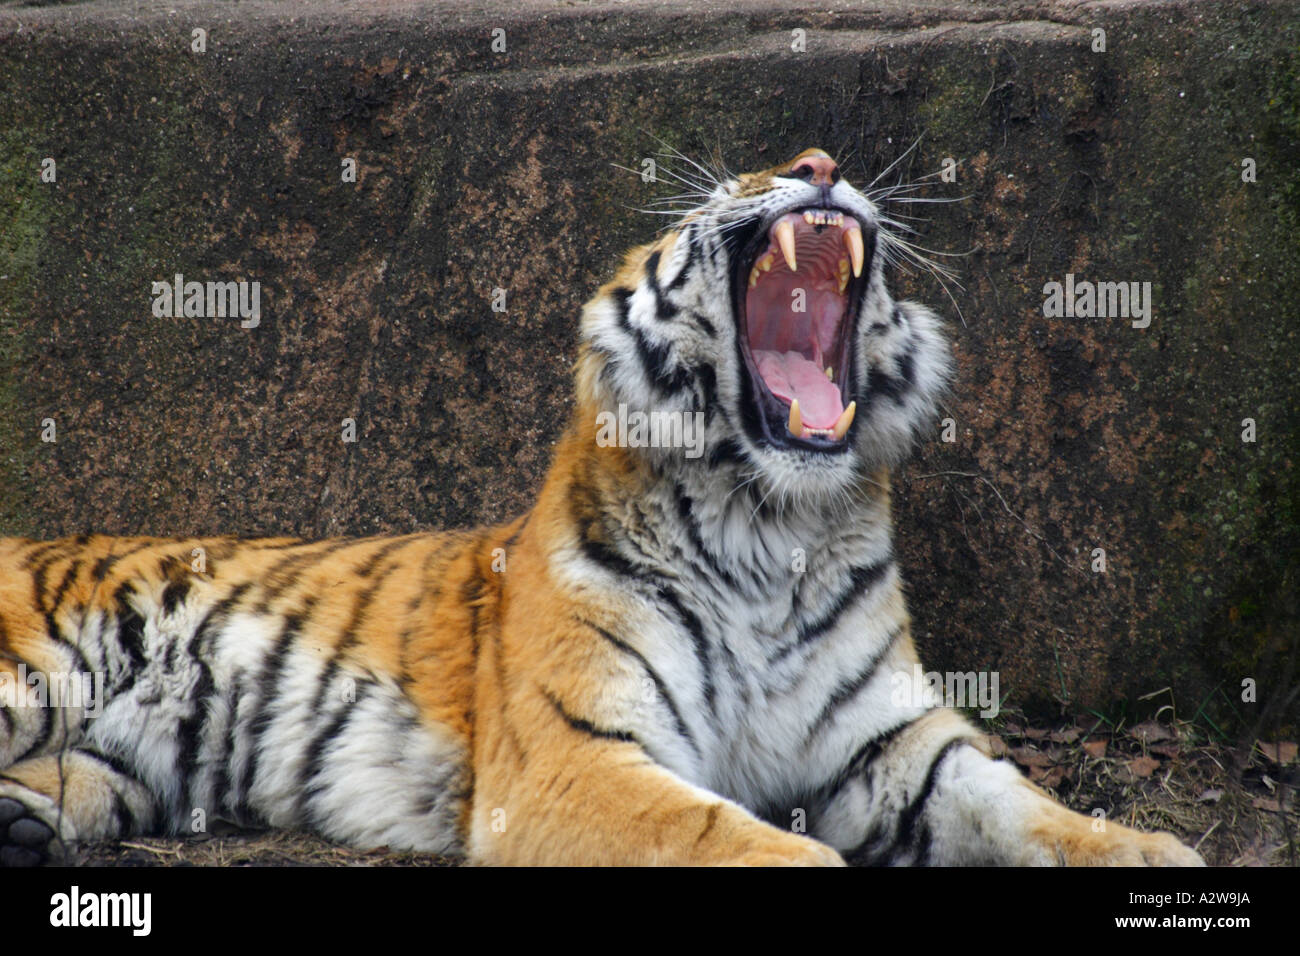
[1236, 805]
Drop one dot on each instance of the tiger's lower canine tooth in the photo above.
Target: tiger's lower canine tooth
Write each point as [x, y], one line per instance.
[785, 239]
[846, 419]
[796, 420]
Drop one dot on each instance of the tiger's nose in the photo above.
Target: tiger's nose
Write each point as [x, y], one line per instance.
[818, 170]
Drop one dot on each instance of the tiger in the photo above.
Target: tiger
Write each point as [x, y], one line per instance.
[681, 655]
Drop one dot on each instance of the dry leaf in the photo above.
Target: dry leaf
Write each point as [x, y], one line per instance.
[1029, 757]
[1047, 777]
[1262, 803]
[1166, 750]
[1210, 796]
[1281, 753]
[1034, 733]
[1143, 766]
[1150, 731]
[1095, 748]
[1068, 736]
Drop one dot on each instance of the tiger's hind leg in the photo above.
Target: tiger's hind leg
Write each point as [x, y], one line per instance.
[50, 802]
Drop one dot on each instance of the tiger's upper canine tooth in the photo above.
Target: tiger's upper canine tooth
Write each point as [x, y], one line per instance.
[796, 420]
[846, 419]
[853, 239]
[785, 238]
[830, 373]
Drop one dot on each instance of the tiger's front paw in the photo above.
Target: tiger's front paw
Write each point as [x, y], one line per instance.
[1156, 849]
[1074, 842]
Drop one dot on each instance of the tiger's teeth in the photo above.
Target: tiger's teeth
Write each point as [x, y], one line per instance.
[844, 275]
[796, 420]
[829, 373]
[853, 239]
[785, 238]
[846, 419]
[808, 218]
[753, 276]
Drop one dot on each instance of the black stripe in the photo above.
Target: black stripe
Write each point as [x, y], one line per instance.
[68, 577]
[40, 550]
[52, 629]
[847, 689]
[287, 572]
[105, 564]
[315, 761]
[595, 550]
[692, 257]
[698, 642]
[268, 690]
[728, 450]
[42, 734]
[112, 762]
[660, 686]
[912, 812]
[702, 321]
[190, 733]
[510, 541]
[707, 394]
[861, 577]
[122, 816]
[176, 591]
[472, 590]
[880, 383]
[658, 364]
[586, 727]
[686, 512]
[664, 310]
[221, 759]
[737, 235]
[907, 366]
[861, 761]
[348, 640]
[656, 358]
[130, 627]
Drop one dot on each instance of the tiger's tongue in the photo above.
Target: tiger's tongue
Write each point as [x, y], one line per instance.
[789, 375]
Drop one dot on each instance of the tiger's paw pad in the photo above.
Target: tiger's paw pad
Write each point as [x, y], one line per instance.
[24, 839]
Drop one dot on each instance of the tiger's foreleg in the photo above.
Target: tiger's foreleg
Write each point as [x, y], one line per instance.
[50, 802]
[588, 798]
[929, 796]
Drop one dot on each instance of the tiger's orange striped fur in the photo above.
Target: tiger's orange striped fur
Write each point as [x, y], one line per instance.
[631, 673]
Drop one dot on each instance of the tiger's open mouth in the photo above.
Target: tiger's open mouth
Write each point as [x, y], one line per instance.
[797, 287]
